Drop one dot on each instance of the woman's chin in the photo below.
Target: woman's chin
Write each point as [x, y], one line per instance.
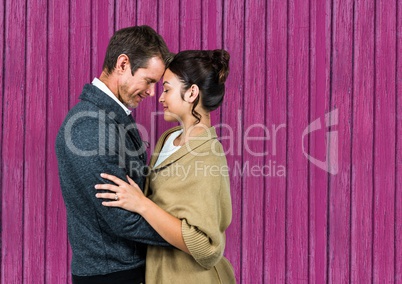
[171, 117]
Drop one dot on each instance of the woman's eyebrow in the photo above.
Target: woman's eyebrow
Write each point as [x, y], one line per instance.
[166, 82]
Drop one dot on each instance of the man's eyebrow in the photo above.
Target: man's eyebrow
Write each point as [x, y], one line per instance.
[151, 80]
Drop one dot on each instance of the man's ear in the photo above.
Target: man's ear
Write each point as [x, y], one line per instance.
[122, 64]
[192, 93]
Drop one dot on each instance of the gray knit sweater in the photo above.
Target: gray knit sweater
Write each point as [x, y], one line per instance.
[98, 136]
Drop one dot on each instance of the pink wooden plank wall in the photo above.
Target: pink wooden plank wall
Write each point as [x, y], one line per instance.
[362, 144]
[57, 107]
[292, 62]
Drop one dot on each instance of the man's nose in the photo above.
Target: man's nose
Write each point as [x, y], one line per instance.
[151, 90]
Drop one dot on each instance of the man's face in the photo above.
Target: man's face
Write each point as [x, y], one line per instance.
[133, 89]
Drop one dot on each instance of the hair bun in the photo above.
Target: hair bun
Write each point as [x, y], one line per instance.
[220, 62]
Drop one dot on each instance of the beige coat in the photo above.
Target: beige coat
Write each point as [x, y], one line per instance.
[193, 185]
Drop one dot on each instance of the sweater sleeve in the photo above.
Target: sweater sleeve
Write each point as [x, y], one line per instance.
[87, 170]
[208, 214]
[204, 251]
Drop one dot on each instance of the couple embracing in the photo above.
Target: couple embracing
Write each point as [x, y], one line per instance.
[127, 225]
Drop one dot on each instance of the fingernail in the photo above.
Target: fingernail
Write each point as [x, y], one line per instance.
[102, 174]
[96, 186]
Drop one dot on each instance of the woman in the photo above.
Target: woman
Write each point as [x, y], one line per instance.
[188, 190]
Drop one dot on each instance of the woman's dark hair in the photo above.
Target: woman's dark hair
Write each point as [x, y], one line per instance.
[208, 69]
[139, 43]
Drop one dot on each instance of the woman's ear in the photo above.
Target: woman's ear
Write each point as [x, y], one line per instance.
[122, 64]
[192, 93]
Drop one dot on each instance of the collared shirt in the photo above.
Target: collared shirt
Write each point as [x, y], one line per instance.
[99, 84]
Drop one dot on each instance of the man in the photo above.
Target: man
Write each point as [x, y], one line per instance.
[100, 135]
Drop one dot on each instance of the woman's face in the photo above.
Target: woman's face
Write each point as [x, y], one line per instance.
[174, 107]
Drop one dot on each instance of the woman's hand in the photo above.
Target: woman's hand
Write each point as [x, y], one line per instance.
[131, 198]
[123, 195]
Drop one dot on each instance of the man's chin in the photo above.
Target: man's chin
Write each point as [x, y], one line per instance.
[132, 105]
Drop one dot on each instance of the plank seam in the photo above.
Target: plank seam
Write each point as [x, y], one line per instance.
[69, 56]
[2, 132]
[309, 149]
[202, 26]
[46, 139]
[68, 104]
[180, 23]
[24, 137]
[396, 143]
[114, 16]
[287, 141]
[374, 142]
[223, 47]
[242, 141]
[351, 141]
[136, 12]
[328, 175]
[156, 125]
[264, 186]
[91, 40]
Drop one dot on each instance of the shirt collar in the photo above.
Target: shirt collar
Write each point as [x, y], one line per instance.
[99, 84]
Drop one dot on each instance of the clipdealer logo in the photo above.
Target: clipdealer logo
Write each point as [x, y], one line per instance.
[272, 167]
[330, 164]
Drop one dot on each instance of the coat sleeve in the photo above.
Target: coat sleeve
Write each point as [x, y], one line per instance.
[85, 136]
[208, 214]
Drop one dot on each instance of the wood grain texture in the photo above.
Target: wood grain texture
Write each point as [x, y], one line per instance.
[103, 25]
[232, 126]
[297, 165]
[35, 143]
[147, 12]
[384, 142]
[57, 108]
[80, 55]
[146, 15]
[12, 233]
[292, 62]
[211, 38]
[362, 143]
[190, 24]
[80, 48]
[2, 48]
[320, 47]
[275, 113]
[398, 184]
[169, 23]
[169, 29]
[253, 143]
[341, 101]
[125, 14]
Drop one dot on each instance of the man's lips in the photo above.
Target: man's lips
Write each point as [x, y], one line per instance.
[140, 98]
